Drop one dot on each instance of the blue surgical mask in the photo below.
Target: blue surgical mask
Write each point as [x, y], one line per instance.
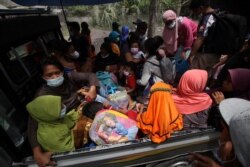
[63, 111]
[55, 82]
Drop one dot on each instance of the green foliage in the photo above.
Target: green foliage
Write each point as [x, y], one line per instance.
[123, 12]
[78, 10]
[108, 15]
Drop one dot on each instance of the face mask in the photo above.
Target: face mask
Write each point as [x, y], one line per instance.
[172, 25]
[55, 82]
[134, 50]
[126, 73]
[75, 55]
[104, 55]
[63, 111]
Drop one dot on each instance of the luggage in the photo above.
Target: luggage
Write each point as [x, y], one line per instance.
[111, 127]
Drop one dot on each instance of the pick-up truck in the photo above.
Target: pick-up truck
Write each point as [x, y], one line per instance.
[22, 44]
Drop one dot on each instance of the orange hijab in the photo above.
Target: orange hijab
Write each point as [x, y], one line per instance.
[190, 96]
[161, 117]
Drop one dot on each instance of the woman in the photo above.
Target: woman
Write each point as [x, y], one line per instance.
[66, 86]
[161, 117]
[65, 53]
[190, 99]
[86, 31]
[106, 58]
[124, 40]
[151, 68]
[178, 32]
[237, 83]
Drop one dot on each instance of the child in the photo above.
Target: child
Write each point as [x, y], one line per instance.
[81, 130]
[55, 124]
[130, 79]
[137, 55]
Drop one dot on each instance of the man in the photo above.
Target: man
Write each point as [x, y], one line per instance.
[141, 31]
[200, 58]
[79, 41]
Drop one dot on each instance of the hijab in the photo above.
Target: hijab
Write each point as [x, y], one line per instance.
[170, 36]
[190, 97]
[161, 117]
[124, 34]
[240, 78]
[54, 129]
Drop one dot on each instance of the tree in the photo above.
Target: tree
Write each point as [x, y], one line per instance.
[152, 17]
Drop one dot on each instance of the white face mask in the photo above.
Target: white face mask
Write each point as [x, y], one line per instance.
[126, 73]
[134, 50]
[172, 25]
[55, 82]
[75, 55]
[63, 111]
[104, 55]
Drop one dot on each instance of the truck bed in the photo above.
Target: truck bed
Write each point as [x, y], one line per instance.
[138, 152]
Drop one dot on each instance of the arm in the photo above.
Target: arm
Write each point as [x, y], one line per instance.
[146, 74]
[41, 158]
[188, 37]
[197, 44]
[92, 80]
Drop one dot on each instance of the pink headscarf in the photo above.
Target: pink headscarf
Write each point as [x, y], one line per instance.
[170, 36]
[190, 98]
[240, 78]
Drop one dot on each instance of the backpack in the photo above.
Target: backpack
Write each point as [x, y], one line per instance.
[107, 84]
[226, 35]
[167, 69]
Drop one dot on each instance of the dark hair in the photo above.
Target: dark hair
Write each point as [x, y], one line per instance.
[130, 42]
[115, 26]
[107, 47]
[142, 25]
[74, 25]
[133, 37]
[50, 61]
[107, 40]
[159, 40]
[198, 3]
[151, 46]
[131, 65]
[90, 109]
[85, 28]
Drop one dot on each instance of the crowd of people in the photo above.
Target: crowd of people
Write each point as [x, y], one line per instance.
[160, 84]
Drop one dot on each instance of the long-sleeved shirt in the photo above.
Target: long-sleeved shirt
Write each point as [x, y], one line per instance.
[187, 32]
[150, 68]
[68, 91]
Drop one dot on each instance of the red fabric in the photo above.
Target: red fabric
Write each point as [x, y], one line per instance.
[132, 114]
[131, 81]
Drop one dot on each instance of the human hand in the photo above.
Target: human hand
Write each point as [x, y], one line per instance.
[43, 159]
[89, 94]
[223, 58]
[199, 160]
[218, 97]
[139, 107]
